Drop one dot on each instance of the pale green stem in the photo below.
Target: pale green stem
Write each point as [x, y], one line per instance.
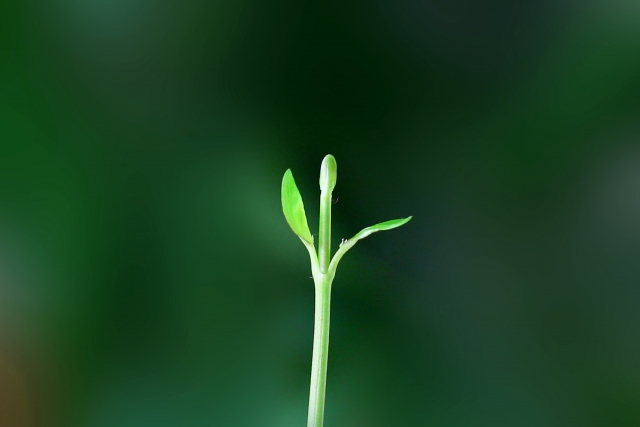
[320, 352]
[321, 324]
[324, 234]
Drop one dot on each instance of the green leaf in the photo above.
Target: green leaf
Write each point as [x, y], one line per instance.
[348, 244]
[293, 208]
[387, 225]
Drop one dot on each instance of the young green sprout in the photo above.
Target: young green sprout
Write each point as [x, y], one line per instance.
[323, 269]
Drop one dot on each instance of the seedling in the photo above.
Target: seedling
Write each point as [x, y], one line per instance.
[323, 269]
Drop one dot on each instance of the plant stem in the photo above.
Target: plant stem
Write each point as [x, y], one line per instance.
[323, 298]
[320, 352]
[324, 234]
[322, 279]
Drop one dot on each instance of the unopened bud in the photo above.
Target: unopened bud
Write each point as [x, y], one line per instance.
[328, 174]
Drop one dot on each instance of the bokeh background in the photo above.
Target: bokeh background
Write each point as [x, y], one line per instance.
[148, 277]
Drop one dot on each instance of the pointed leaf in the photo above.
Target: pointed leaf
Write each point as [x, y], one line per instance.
[387, 225]
[348, 244]
[293, 208]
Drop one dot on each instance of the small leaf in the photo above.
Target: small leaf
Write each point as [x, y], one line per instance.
[387, 225]
[293, 208]
[348, 244]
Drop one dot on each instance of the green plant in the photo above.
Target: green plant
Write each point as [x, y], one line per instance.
[323, 269]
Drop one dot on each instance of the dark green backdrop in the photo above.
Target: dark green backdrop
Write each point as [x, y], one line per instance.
[148, 277]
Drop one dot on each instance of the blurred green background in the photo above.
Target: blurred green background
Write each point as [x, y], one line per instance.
[147, 274]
